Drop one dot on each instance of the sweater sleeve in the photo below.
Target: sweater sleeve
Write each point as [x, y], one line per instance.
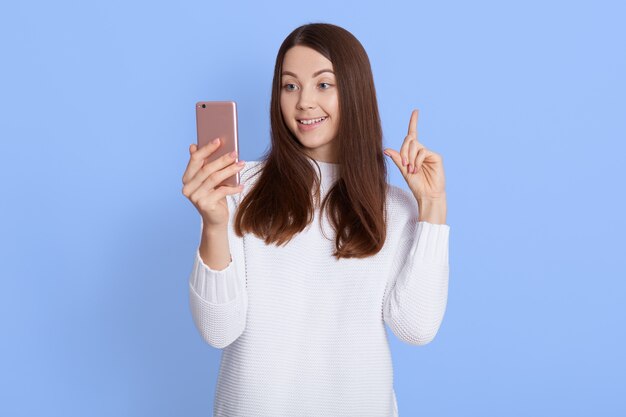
[417, 291]
[218, 298]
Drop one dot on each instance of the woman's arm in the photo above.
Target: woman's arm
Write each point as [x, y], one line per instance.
[214, 249]
[417, 291]
[217, 291]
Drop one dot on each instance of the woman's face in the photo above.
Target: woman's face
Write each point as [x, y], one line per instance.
[309, 92]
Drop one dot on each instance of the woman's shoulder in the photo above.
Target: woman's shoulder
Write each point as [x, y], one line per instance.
[400, 199]
[250, 170]
[247, 176]
[401, 205]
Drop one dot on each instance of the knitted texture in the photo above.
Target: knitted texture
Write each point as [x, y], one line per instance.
[303, 334]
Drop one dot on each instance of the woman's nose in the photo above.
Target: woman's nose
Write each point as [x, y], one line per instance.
[305, 101]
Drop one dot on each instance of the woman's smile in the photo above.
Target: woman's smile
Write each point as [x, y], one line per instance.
[307, 125]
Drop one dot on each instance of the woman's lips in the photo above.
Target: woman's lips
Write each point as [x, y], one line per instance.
[313, 126]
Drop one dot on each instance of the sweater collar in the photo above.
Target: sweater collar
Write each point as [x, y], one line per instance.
[329, 171]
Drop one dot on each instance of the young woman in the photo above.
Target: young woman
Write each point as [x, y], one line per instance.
[298, 271]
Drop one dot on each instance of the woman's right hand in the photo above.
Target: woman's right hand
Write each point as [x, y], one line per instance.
[200, 181]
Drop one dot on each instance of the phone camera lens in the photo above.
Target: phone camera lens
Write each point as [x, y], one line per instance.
[204, 106]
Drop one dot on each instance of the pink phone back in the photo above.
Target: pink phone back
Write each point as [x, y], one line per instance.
[218, 119]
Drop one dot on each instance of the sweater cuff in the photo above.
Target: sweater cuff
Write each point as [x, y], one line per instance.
[214, 286]
[431, 242]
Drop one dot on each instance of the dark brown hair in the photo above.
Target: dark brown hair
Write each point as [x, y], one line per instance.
[280, 204]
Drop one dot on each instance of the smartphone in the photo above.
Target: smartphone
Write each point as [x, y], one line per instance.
[218, 119]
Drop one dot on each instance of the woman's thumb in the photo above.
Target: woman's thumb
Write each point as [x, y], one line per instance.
[395, 156]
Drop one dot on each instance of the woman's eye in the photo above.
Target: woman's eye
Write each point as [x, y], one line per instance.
[288, 86]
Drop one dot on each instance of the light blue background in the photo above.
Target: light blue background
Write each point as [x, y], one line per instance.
[525, 101]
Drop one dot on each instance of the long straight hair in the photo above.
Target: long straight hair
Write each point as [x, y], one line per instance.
[280, 204]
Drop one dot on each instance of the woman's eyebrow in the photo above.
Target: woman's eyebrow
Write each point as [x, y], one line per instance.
[315, 74]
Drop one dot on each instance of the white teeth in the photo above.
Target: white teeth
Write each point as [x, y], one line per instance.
[309, 122]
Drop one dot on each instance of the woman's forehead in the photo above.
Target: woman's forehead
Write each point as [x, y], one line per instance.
[302, 61]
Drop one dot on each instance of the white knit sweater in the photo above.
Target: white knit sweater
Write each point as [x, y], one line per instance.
[304, 334]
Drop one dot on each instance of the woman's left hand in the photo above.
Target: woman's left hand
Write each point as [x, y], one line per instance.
[421, 168]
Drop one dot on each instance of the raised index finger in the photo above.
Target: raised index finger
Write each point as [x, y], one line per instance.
[413, 124]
